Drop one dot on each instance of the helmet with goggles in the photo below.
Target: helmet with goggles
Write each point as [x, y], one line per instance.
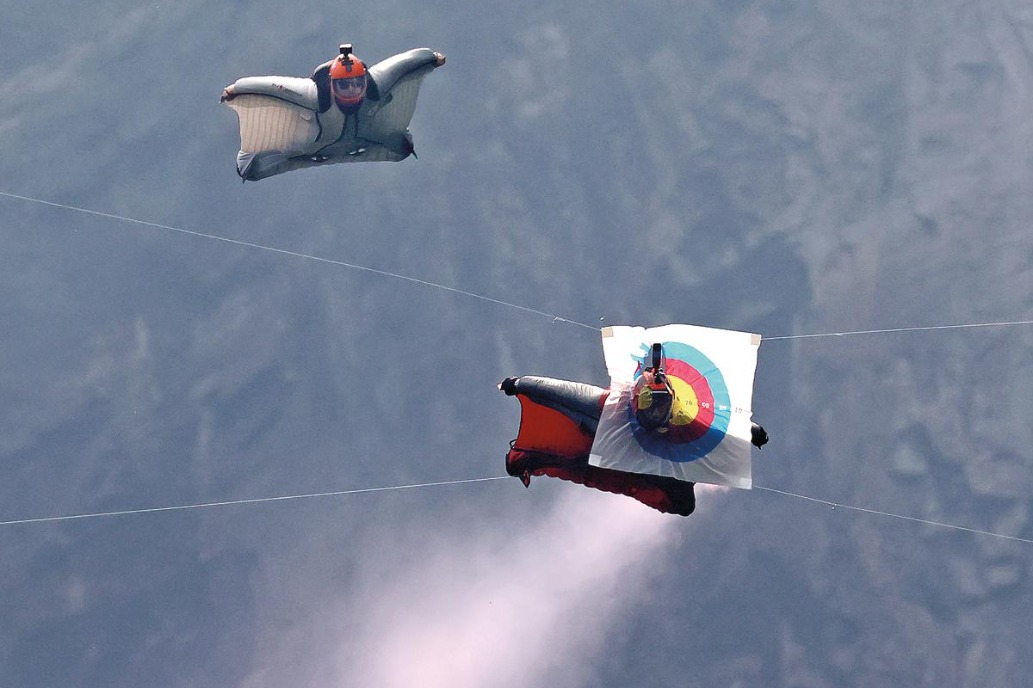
[653, 397]
[348, 78]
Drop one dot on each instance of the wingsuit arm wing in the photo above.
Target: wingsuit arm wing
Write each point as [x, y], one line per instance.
[394, 87]
[296, 90]
[275, 113]
[578, 401]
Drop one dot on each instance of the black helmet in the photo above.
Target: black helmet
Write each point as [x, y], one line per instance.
[653, 398]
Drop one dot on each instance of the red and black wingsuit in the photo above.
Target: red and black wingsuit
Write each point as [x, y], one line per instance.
[558, 422]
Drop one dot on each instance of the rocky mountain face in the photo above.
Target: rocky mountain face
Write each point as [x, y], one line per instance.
[787, 168]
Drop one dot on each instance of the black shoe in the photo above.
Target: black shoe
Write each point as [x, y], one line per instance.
[758, 436]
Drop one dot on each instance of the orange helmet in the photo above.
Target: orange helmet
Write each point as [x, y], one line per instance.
[348, 78]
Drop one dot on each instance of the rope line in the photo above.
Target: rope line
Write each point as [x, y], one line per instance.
[295, 254]
[235, 502]
[454, 290]
[836, 505]
[341, 493]
[1007, 323]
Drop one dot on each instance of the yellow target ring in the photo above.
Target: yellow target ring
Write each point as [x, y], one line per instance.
[686, 403]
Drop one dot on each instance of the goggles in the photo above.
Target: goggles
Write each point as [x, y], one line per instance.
[353, 84]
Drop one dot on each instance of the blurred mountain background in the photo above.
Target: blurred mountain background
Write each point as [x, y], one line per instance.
[788, 168]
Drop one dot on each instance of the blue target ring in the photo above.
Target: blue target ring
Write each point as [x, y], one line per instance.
[706, 410]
